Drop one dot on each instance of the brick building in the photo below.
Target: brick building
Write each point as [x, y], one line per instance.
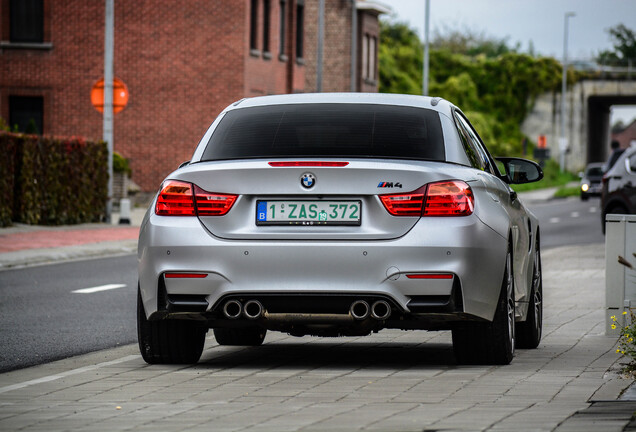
[182, 63]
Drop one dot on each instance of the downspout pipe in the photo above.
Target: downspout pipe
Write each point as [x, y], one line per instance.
[354, 45]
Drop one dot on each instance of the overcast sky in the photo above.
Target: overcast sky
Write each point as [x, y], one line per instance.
[539, 21]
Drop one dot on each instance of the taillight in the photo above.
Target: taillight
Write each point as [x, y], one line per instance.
[211, 204]
[179, 198]
[446, 198]
[409, 204]
[450, 198]
[175, 199]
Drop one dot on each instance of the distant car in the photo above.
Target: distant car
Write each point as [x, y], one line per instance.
[592, 180]
[340, 215]
[618, 194]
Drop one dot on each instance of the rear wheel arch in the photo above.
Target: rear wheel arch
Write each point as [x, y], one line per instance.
[491, 342]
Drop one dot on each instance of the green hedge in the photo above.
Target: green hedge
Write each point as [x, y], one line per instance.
[52, 181]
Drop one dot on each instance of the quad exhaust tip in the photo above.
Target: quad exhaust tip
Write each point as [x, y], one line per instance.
[380, 310]
[359, 309]
[253, 309]
[232, 309]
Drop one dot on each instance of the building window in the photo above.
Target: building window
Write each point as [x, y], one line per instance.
[266, 20]
[282, 29]
[26, 21]
[365, 55]
[369, 56]
[27, 113]
[300, 29]
[254, 25]
[372, 57]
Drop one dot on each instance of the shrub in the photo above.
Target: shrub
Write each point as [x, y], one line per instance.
[52, 181]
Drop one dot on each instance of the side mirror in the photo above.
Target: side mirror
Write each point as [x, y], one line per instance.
[519, 171]
[186, 163]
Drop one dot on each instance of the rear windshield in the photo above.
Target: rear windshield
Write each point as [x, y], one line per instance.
[327, 130]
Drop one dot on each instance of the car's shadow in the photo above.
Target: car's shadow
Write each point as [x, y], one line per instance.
[331, 355]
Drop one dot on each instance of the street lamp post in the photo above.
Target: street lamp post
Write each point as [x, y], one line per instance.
[563, 141]
[108, 98]
[425, 72]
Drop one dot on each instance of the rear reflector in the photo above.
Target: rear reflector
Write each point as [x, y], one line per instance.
[177, 199]
[308, 164]
[429, 276]
[185, 275]
[447, 198]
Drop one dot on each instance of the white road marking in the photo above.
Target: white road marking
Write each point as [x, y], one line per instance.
[593, 209]
[555, 220]
[65, 374]
[574, 214]
[98, 288]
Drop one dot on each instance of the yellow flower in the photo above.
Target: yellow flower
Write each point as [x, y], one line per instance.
[618, 351]
[613, 317]
[613, 326]
[624, 312]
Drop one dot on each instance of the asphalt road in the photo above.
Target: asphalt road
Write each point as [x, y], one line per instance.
[570, 221]
[42, 319]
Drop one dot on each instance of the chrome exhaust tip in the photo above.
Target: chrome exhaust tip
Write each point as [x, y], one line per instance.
[232, 309]
[359, 309]
[380, 310]
[253, 309]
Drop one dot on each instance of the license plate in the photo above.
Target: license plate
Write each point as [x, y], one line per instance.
[308, 213]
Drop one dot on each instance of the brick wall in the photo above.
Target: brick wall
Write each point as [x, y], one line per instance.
[336, 68]
[273, 72]
[183, 62]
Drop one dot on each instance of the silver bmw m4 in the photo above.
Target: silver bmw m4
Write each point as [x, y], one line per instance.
[340, 215]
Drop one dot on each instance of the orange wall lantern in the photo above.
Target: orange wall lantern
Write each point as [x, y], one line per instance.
[120, 95]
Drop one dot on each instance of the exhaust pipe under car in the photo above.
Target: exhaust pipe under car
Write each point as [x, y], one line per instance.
[380, 310]
[253, 309]
[232, 309]
[359, 309]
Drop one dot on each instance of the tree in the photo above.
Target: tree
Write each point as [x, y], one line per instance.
[400, 59]
[624, 50]
[471, 43]
[494, 84]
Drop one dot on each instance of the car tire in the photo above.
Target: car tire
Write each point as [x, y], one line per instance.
[169, 341]
[252, 336]
[584, 197]
[493, 342]
[529, 331]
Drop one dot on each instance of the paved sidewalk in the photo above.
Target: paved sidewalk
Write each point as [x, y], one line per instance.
[26, 245]
[394, 380]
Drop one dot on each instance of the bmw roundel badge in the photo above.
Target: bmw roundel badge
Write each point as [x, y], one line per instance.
[308, 180]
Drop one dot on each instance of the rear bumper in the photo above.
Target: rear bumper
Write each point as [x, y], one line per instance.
[462, 247]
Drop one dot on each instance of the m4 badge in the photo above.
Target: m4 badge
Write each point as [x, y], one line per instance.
[390, 185]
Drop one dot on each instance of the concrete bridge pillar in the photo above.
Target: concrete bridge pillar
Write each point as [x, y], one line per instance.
[588, 105]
